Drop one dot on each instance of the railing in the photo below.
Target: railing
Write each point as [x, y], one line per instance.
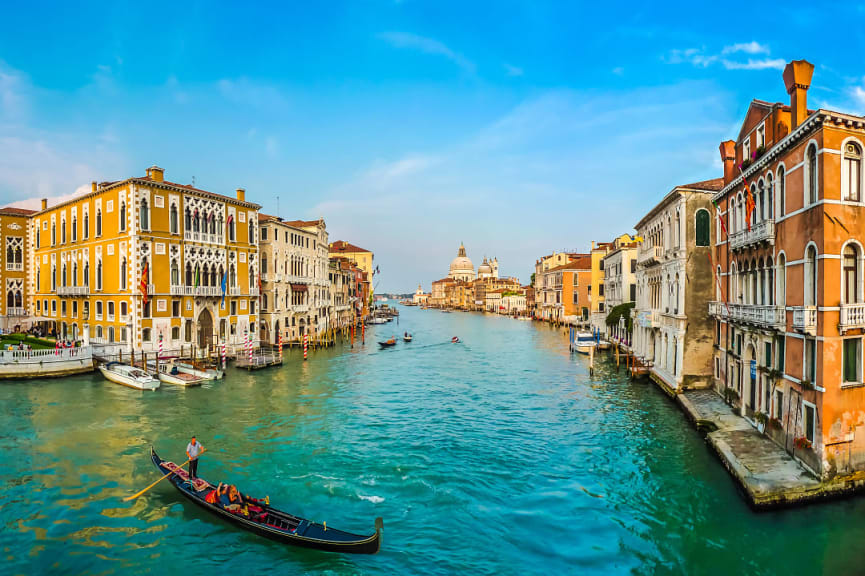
[650, 255]
[196, 291]
[15, 266]
[205, 237]
[15, 311]
[73, 290]
[852, 316]
[805, 319]
[761, 315]
[761, 232]
[40, 356]
[253, 291]
[234, 291]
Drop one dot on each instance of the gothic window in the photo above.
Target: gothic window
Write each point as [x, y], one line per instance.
[122, 216]
[175, 273]
[123, 272]
[851, 172]
[75, 229]
[145, 215]
[99, 274]
[98, 222]
[87, 274]
[811, 276]
[702, 227]
[173, 221]
[811, 174]
[851, 274]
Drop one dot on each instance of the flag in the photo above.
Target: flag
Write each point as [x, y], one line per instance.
[225, 286]
[721, 218]
[143, 284]
[259, 283]
[197, 277]
[750, 205]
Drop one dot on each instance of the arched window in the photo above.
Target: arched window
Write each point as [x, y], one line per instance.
[761, 201]
[702, 227]
[264, 302]
[99, 222]
[187, 220]
[782, 192]
[10, 299]
[189, 278]
[75, 273]
[851, 172]
[19, 299]
[811, 174]
[731, 216]
[99, 275]
[173, 221]
[53, 233]
[63, 231]
[770, 195]
[811, 276]
[196, 221]
[86, 232]
[264, 264]
[232, 276]
[175, 273]
[122, 216]
[38, 237]
[145, 215]
[10, 254]
[38, 279]
[123, 271]
[677, 235]
[75, 229]
[87, 274]
[761, 282]
[851, 274]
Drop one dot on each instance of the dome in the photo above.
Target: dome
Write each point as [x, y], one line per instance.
[485, 268]
[461, 266]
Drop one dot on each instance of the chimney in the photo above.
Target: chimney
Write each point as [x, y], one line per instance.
[728, 159]
[93, 186]
[45, 203]
[156, 173]
[797, 79]
[241, 194]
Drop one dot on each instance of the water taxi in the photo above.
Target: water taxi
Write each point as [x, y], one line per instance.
[129, 376]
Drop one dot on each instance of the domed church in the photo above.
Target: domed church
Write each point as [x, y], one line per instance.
[463, 269]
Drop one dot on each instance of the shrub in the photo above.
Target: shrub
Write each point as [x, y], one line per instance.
[802, 443]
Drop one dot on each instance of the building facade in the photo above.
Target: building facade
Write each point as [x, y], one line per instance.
[141, 259]
[790, 308]
[16, 261]
[620, 282]
[674, 277]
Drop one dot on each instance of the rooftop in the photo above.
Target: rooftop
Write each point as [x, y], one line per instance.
[10, 211]
[343, 246]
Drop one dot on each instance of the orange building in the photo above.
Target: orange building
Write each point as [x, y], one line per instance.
[576, 289]
[790, 308]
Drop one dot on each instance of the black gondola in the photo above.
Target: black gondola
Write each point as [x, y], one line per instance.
[272, 523]
[387, 343]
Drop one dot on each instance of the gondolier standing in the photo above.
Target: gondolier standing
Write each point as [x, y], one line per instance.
[193, 450]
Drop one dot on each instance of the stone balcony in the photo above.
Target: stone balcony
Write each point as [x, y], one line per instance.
[650, 255]
[15, 311]
[805, 319]
[73, 290]
[196, 291]
[15, 266]
[759, 233]
[204, 237]
[852, 316]
[759, 315]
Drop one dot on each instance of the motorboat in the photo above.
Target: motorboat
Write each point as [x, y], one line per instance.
[208, 371]
[129, 376]
[583, 342]
[407, 338]
[169, 373]
[603, 344]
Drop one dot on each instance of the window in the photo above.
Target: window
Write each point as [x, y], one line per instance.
[851, 172]
[86, 231]
[124, 309]
[746, 148]
[145, 334]
[702, 227]
[175, 332]
[53, 233]
[633, 266]
[761, 136]
[851, 274]
[74, 229]
[99, 309]
[175, 273]
[63, 308]
[780, 355]
[75, 308]
[768, 355]
[633, 292]
[234, 308]
[811, 360]
[808, 421]
[122, 216]
[145, 215]
[175, 308]
[123, 272]
[811, 276]
[852, 360]
[174, 223]
[600, 289]
[98, 223]
[110, 310]
[63, 231]
[264, 233]
[779, 404]
[811, 174]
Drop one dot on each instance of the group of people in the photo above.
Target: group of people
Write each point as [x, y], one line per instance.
[225, 495]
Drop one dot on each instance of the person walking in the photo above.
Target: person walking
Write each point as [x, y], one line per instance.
[193, 450]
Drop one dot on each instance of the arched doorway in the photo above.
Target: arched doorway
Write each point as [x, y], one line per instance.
[205, 329]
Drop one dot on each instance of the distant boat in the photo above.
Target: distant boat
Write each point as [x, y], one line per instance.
[583, 342]
[128, 376]
[407, 338]
[455, 340]
[388, 343]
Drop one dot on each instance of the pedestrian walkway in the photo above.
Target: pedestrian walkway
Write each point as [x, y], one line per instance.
[768, 474]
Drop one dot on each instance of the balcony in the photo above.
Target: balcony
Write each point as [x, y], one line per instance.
[805, 319]
[253, 292]
[762, 232]
[233, 291]
[15, 266]
[204, 237]
[73, 290]
[650, 255]
[15, 311]
[196, 291]
[758, 315]
[648, 318]
[852, 316]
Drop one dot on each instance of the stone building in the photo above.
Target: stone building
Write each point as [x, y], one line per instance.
[17, 260]
[620, 283]
[790, 309]
[674, 276]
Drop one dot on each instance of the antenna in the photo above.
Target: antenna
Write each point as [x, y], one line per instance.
[193, 181]
[277, 206]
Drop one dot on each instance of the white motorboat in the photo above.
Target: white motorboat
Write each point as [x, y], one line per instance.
[169, 373]
[583, 342]
[603, 344]
[377, 320]
[129, 376]
[200, 371]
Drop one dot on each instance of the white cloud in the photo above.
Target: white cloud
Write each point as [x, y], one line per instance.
[427, 46]
[751, 64]
[858, 94]
[747, 47]
[513, 70]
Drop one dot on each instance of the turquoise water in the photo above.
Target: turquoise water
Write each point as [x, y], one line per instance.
[499, 455]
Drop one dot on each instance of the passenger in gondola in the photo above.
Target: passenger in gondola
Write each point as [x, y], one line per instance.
[213, 497]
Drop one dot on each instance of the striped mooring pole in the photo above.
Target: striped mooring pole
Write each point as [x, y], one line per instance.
[280, 345]
[223, 355]
[305, 345]
[160, 346]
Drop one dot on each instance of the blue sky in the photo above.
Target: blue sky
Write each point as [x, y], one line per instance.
[517, 128]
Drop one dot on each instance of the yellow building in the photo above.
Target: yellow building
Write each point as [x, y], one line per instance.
[97, 255]
[14, 223]
[596, 290]
[361, 258]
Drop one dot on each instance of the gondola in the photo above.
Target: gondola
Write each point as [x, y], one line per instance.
[272, 523]
[388, 343]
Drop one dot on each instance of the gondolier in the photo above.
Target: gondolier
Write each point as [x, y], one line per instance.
[193, 450]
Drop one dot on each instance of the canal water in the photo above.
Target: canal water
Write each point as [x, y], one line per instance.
[500, 455]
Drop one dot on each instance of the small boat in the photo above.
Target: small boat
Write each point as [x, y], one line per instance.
[583, 342]
[269, 522]
[377, 320]
[388, 343]
[169, 373]
[406, 338]
[130, 376]
[208, 371]
[603, 344]
[455, 340]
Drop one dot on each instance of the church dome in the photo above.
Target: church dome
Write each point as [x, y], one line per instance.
[485, 269]
[461, 265]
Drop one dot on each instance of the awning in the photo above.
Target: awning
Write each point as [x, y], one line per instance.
[298, 287]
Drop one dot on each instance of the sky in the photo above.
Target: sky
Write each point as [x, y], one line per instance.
[517, 128]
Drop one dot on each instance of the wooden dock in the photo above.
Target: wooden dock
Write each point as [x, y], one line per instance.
[259, 360]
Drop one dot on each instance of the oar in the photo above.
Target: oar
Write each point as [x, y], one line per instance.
[137, 494]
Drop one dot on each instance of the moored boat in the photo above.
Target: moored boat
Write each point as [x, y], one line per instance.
[264, 520]
[171, 374]
[208, 372]
[583, 342]
[603, 344]
[129, 376]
